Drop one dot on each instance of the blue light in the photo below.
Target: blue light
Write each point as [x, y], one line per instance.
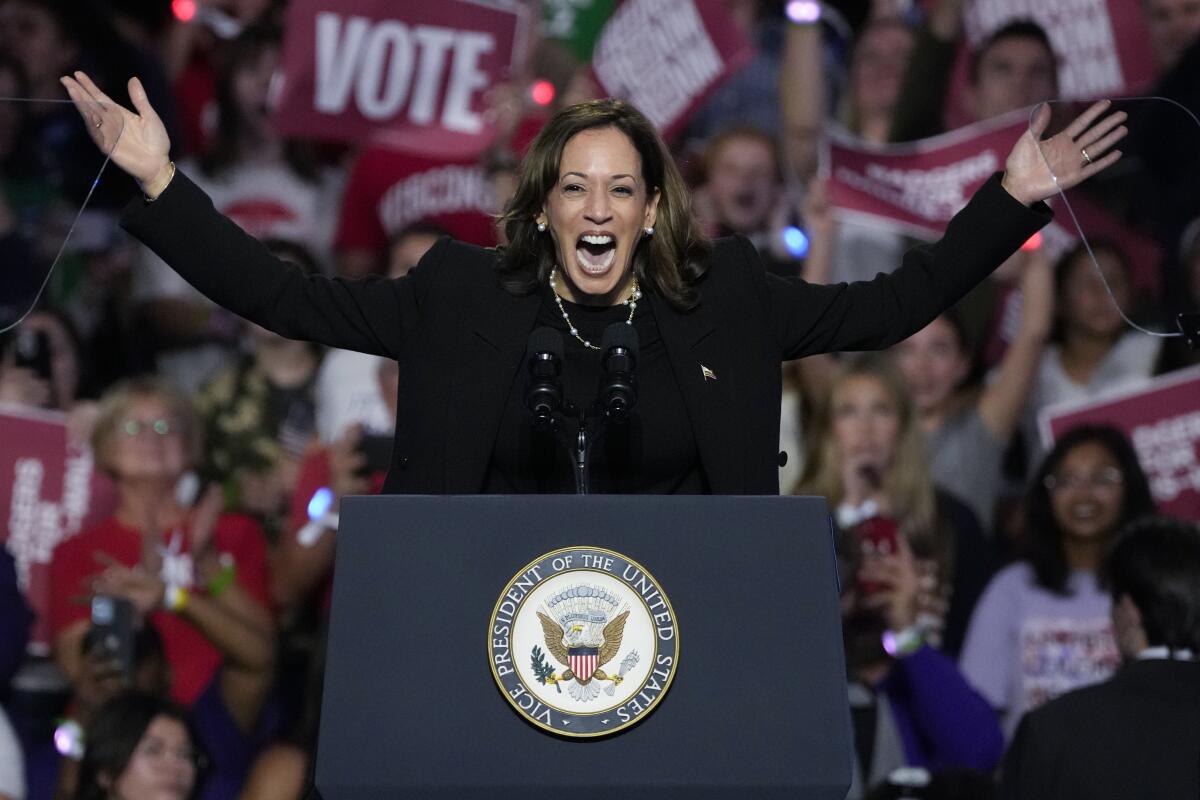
[795, 241]
[320, 502]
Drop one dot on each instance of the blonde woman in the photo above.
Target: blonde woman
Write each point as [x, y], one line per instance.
[867, 457]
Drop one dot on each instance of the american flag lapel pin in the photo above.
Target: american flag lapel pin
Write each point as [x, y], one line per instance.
[708, 374]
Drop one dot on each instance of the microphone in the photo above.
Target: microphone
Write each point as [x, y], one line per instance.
[543, 393]
[618, 387]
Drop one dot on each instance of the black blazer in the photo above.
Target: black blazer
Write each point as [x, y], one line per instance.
[460, 338]
[1134, 737]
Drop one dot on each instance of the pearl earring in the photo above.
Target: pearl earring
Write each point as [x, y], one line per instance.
[541, 227]
[650, 231]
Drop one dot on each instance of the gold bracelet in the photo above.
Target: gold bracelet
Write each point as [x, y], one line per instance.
[150, 199]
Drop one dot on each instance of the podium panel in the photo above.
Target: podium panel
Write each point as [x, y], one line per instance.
[757, 706]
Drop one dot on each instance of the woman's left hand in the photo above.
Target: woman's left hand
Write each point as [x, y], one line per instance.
[1037, 169]
[137, 584]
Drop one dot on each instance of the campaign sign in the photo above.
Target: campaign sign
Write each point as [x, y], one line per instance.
[1162, 419]
[417, 73]
[49, 491]
[667, 58]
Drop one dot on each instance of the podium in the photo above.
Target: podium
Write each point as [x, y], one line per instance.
[757, 703]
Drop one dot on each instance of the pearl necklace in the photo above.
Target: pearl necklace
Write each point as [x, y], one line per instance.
[632, 302]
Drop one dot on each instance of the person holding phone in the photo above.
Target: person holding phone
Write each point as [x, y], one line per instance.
[198, 575]
[599, 232]
[866, 456]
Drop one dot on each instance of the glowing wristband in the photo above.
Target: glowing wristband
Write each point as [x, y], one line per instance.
[175, 598]
[902, 643]
[220, 582]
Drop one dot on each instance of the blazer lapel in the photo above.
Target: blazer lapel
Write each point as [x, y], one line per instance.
[706, 370]
[493, 336]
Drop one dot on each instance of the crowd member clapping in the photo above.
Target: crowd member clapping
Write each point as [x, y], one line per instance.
[197, 575]
[866, 456]
[1042, 627]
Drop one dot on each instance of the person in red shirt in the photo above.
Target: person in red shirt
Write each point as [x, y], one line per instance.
[199, 576]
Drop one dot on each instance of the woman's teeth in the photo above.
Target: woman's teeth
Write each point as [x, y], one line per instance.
[596, 252]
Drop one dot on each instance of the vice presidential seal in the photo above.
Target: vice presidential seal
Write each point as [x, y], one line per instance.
[583, 642]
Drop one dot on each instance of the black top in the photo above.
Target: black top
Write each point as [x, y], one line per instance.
[460, 337]
[654, 452]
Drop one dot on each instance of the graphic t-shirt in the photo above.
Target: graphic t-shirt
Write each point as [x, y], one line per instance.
[1027, 645]
[193, 659]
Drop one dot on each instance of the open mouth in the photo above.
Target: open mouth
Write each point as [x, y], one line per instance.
[595, 252]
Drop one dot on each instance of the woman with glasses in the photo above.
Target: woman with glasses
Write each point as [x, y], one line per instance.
[1043, 625]
[197, 575]
[139, 746]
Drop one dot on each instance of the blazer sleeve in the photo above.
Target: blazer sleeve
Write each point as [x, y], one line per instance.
[872, 315]
[235, 270]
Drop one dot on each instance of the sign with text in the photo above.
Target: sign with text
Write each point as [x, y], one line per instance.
[416, 73]
[49, 491]
[667, 58]
[1162, 419]
[917, 187]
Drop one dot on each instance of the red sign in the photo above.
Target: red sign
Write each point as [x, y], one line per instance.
[1162, 419]
[49, 491]
[416, 73]
[667, 58]
[917, 187]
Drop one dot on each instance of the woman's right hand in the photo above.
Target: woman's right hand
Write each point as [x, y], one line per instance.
[137, 142]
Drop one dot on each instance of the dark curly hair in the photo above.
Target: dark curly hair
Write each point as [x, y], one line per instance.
[1044, 549]
[669, 263]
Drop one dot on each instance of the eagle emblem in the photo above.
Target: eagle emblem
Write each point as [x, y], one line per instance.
[582, 627]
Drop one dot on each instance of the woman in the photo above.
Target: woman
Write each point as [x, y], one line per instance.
[967, 427]
[1043, 626]
[139, 746]
[599, 217]
[1091, 352]
[198, 576]
[867, 458]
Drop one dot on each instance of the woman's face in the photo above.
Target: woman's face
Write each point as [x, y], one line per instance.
[163, 766]
[933, 364]
[148, 443]
[878, 67]
[596, 213]
[252, 90]
[32, 35]
[1086, 306]
[866, 424]
[1087, 492]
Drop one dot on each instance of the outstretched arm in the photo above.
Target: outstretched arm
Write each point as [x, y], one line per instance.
[232, 268]
[999, 219]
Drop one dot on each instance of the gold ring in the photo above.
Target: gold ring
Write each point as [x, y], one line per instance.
[1086, 158]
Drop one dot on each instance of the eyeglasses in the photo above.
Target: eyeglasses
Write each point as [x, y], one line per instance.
[1107, 478]
[132, 427]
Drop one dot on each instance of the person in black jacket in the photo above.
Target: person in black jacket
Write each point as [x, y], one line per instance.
[1138, 734]
[599, 232]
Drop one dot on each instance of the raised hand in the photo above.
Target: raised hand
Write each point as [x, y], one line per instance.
[1071, 156]
[137, 142]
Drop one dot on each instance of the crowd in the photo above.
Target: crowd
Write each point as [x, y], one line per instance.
[986, 573]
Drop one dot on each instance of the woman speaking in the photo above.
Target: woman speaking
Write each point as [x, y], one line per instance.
[599, 232]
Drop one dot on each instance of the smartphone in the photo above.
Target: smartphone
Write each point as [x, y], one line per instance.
[377, 450]
[112, 630]
[31, 349]
[877, 536]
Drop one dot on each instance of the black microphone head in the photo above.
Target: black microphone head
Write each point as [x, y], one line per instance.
[620, 334]
[545, 340]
